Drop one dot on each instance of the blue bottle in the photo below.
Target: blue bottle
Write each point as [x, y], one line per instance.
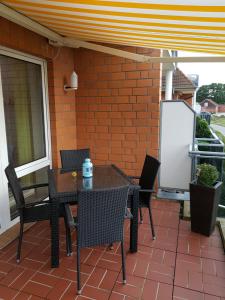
[87, 168]
[88, 183]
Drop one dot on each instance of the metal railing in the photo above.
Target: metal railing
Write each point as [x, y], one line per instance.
[214, 154]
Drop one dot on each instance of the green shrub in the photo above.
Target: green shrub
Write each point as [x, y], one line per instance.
[207, 174]
[202, 128]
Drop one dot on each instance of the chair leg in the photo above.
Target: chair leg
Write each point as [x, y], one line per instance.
[20, 242]
[141, 216]
[111, 247]
[151, 222]
[68, 238]
[78, 271]
[123, 263]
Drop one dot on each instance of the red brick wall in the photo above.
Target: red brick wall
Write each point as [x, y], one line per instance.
[116, 112]
[221, 108]
[60, 67]
[117, 106]
[62, 104]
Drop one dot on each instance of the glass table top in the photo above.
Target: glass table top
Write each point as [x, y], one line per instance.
[107, 176]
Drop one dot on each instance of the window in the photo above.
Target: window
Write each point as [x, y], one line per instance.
[25, 120]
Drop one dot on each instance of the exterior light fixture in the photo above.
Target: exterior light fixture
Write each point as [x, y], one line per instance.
[73, 83]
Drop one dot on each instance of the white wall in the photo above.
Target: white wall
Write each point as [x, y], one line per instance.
[176, 134]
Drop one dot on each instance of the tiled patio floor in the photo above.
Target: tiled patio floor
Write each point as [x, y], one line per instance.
[177, 265]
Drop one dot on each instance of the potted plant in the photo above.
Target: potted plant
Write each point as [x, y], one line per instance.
[205, 194]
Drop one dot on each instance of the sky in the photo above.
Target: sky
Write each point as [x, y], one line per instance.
[208, 72]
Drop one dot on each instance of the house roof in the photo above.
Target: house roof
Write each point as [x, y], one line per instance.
[180, 82]
[209, 100]
[191, 25]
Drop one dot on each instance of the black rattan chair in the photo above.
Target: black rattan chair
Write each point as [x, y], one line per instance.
[146, 182]
[99, 221]
[34, 210]
[73, 159]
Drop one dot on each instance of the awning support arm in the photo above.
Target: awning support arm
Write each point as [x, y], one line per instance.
[57, 40]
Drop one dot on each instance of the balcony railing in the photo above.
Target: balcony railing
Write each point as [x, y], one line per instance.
[209, 150]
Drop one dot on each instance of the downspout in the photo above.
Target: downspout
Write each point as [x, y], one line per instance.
[169, 85]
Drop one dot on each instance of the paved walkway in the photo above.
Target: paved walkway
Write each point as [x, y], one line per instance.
[177, 265]
[218, 128]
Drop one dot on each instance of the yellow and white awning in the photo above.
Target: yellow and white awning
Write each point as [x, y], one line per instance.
[191, 25]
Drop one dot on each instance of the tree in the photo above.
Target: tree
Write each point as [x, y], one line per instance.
[214, 91]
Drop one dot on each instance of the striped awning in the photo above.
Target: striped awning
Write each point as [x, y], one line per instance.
[193, 25]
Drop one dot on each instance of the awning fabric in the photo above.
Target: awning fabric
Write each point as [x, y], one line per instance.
[191, 25]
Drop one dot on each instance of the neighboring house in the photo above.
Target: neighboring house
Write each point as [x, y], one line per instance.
[221, 108]
[211, 106]
[183, 87]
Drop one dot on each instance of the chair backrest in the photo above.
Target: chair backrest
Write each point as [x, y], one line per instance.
[15, 186]
[101, 216]
[73, 159]
[149, 172]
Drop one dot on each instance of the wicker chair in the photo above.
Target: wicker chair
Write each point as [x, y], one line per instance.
[146, 182]
[73, 159]
[34, 210]
[100, 219]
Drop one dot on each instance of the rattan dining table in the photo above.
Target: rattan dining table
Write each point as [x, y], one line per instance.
[64, 188]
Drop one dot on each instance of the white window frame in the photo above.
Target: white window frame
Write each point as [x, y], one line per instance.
[5, 218]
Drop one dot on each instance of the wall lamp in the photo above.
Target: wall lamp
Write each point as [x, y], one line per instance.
[73, 83]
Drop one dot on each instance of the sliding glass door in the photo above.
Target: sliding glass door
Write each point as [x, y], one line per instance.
[24, 126]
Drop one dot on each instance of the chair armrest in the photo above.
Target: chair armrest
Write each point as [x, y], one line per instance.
[34, 186]
[146, 191]
[36, 203]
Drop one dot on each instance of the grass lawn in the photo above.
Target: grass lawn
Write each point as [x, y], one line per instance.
[218, 120]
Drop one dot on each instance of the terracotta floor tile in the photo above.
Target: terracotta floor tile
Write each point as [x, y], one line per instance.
[195, 264]
[92, 257]
[213, 267]
[59, 289]
[110, 261]
[38, 256]
[95, 293]
[70, 292]
[185, 294]
[44, 279]
[185, 226]
[5, 267]
[200, 274]
[160, 273]
[22, 279]
[199, 245]
[166, 205]
[37, 289]
[7, 293]
[71, 275]
[213, 285]
[22, 296]
[32, 297]
[133, 287]
[163, 218]
[189, 262]
[146, 266]
[31, 264]
[103, 278]
[158, 291]
[12, 276]
[117, 296]
[166, 238]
